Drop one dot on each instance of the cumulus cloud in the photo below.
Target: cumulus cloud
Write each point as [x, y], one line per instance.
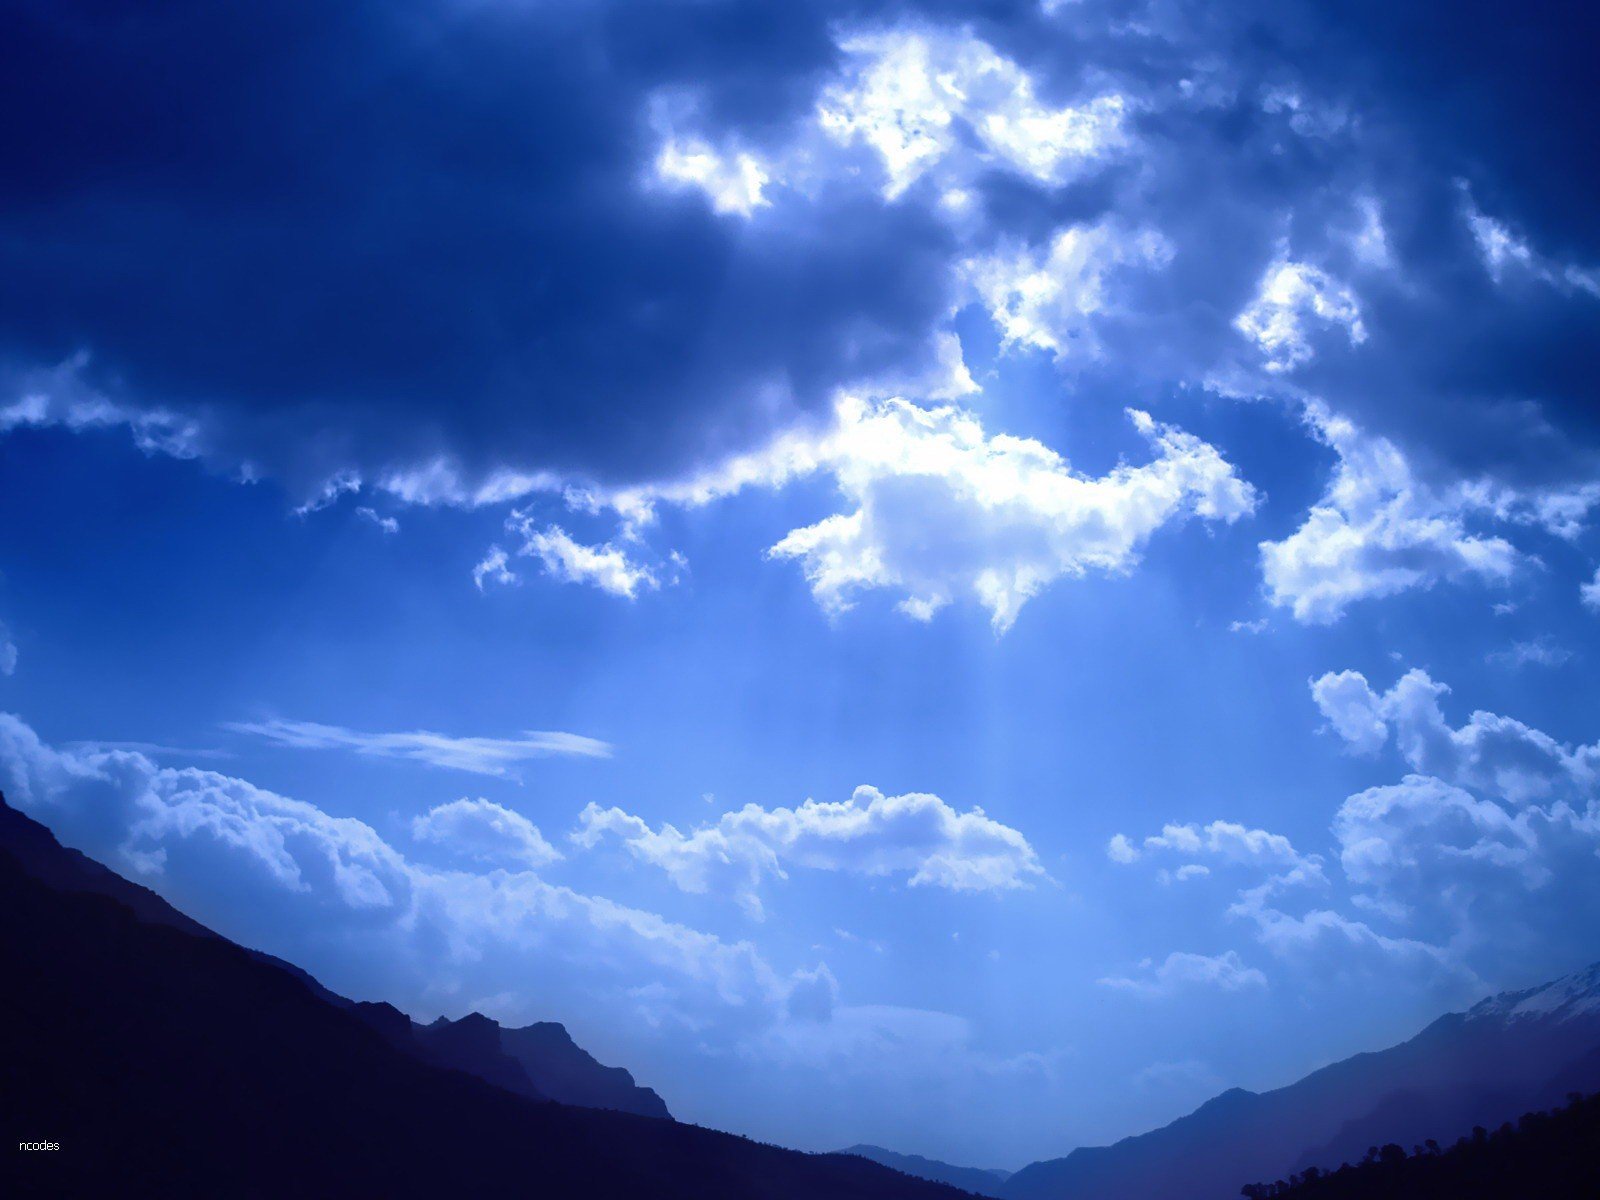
[274, 868]
[478, 755]
[916, 835]
[733, 183]
[1052, 300]
[1226, 972]
[1011, 515]
[1491, 753]
[1220, 842]
[1492, 879]
[485, 831]
[1378, 530]
[948, 105]
[1589, 593]
[1291, 295]
[1486, 851]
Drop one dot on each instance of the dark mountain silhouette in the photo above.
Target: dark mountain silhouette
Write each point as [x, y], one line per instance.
[973, 1179]
[1549, 1155]
[166, 1061]
[566, 1072]
[540, 1061]
[1511, 1054]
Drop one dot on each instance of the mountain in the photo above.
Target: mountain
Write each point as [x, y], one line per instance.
[1553, 1156]
[973, 1179]
[540, 1061]
[163, 1060]
[1510, 1054]
[566, 1072]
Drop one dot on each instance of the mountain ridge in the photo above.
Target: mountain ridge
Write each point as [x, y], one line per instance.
[977, 1180]
[1511, 1053]
[165, 1062]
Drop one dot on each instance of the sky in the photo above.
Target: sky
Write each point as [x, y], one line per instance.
[953, 574]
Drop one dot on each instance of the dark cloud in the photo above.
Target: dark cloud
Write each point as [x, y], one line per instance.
[369, 236]
[365, 235]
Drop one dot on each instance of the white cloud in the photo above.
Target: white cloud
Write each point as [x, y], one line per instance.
[8, 651]
[1291, 294]
[733, 182]
[950, 105]
[606, 566]
[336, 885]
[1050, 300]
[1490, 753]
[493, 568]
[1490, 880]
[487, 832]
[1489, 850]
[1537, 652]
[915, 835]
[943, 510]
[1377, 531]
[385, 523]
[1589, 593]
[1224, 841]
[1506, 253]
[1179, 970]
[479, 755]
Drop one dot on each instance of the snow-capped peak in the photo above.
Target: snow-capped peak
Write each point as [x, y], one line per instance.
[1571, 996]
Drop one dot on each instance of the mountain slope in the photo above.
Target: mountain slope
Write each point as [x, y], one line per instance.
[1508, 1055]
[169, 1063]
[1553, 1156]
[566, 1072]
[972, 1179]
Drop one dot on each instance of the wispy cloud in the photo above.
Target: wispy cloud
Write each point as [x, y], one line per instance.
[479, 755]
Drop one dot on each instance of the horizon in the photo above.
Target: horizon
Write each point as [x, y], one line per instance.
[960, 577]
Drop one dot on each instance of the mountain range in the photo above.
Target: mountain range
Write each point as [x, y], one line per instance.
[1508, 1055]
[978, 1180]
[161, 1059]
[164, 1059]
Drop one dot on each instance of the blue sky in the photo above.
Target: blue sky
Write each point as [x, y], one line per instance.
[958, 576]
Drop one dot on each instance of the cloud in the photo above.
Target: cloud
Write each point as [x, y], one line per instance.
[732, 183]
[478, 755]
[1178, 971]
[485, 831]
[1506, 254]
[1290, 295]
[1589, 593]
[281, 872]
[1539, 652]
[1012, 516]
[493, 568]
[948, 105]
[724, 221]
[606, 566]
[1490, 753]
[1054, 301]
[1487, 850]
[386, 523]
[915, 835]
[1377, 531]
[1495, 882]
[8, 651]
[1225, 841]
